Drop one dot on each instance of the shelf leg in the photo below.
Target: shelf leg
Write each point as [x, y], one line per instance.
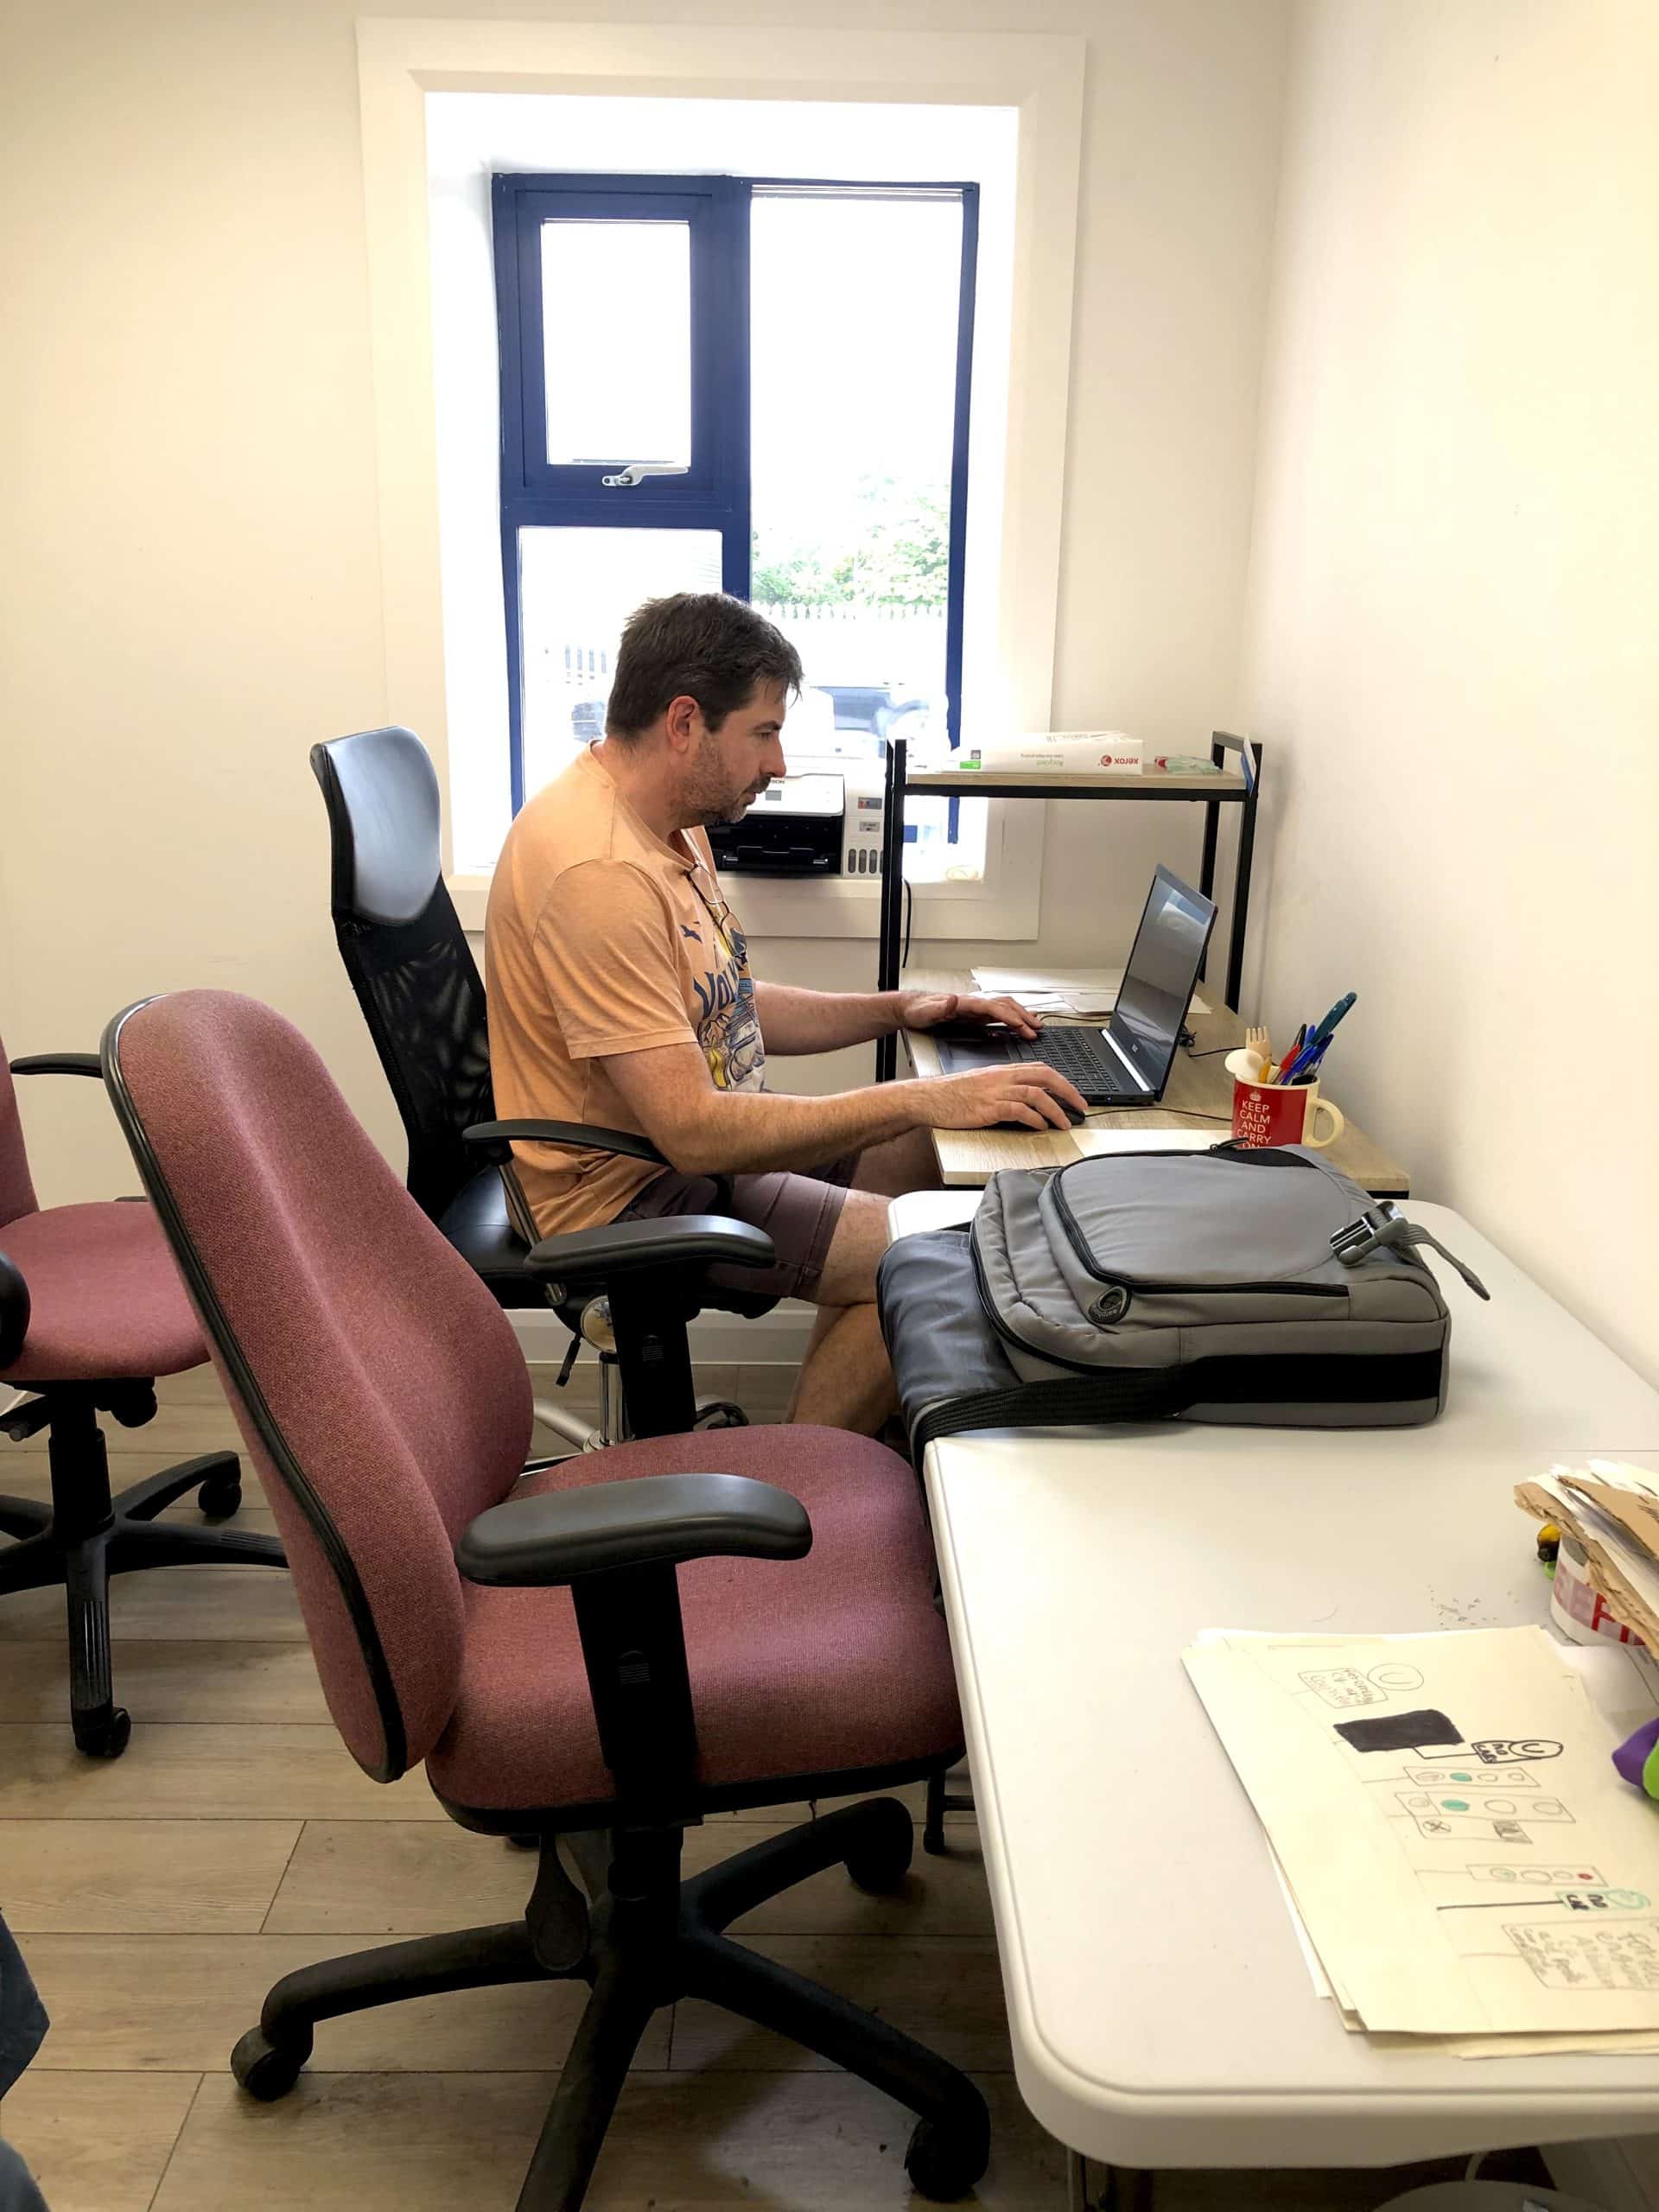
[1207, 859]
[1241, 887]
[893, 898]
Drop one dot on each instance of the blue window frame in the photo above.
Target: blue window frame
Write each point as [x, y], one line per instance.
[707, 490]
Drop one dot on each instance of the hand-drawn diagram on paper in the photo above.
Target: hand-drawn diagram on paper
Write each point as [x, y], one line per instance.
[1450, 1827]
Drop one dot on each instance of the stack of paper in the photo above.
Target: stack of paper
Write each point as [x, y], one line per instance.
[1078, 990]
[1610, 1511]
[1463, 1860]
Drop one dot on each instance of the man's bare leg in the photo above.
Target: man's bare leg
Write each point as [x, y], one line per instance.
[845, 1380]
[906, 1163]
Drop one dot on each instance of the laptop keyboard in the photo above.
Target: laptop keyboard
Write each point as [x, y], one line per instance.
[1080, 1055]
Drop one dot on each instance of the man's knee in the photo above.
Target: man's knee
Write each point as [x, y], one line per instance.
[855, 1250]
[906, 1163]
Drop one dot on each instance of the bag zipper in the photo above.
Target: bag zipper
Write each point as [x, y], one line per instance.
[1155, 1288]
[1010, 1336]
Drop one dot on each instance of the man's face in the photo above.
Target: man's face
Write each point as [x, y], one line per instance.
[730, 766]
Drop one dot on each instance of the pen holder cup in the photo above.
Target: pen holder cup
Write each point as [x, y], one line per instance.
[1272, 1113]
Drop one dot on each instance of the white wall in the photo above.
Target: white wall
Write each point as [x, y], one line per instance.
[1450, 634]
[193, 595]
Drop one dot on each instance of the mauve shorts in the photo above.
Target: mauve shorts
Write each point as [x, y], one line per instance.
[799, 1212]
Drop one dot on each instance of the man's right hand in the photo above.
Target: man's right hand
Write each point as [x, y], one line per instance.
[1028, 1094]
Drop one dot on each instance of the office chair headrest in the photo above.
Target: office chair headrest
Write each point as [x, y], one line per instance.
[382, 796]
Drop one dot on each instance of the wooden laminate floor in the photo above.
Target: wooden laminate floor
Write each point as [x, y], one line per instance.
[157, 1897]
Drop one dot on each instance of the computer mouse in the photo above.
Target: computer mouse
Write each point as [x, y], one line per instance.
[1025, 1129]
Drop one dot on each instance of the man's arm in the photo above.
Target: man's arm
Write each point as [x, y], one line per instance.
[703, 1131]
[795, 1020]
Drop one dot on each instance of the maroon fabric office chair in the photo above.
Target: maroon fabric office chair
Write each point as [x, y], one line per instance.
[605, 1651]
[92, 1311]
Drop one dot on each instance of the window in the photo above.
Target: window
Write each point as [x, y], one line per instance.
[717, 383]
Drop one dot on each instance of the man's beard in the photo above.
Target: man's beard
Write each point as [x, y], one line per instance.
[708, 809]
[712, 799]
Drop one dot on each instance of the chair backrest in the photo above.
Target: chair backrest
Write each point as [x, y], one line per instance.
[17, 1187]
[379, 1386]
[405, 951]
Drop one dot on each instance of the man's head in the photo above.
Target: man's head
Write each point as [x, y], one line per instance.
[705, 681]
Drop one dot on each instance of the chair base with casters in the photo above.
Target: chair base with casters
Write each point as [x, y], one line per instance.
[85, 1535]
[642, 1939]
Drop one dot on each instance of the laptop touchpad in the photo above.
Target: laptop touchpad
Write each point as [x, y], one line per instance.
[964, 1054]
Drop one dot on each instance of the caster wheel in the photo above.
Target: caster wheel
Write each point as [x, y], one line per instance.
[266, 2070]
[105, 1739]
[944, 2164]
[879, 1863]
[218, 1498]
[720, 1413]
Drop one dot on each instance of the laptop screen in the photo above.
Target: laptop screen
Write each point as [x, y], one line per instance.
[1151, 1000]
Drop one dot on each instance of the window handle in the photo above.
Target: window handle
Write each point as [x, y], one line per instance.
[636, 471]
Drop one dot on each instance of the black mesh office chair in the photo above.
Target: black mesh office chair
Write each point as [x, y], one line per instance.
[417, 983]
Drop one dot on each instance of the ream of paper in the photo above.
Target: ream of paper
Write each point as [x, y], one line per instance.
[1084, 990]
[1016, 980]
[1466, 1861]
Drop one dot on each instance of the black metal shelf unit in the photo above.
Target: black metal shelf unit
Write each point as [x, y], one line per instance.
[1240, 787]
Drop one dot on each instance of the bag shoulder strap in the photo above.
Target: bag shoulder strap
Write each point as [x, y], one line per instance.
[1160, 1393]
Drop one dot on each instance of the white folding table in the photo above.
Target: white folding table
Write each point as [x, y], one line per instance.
[1162, 2015]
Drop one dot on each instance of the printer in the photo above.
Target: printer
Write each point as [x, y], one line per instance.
[822, 818]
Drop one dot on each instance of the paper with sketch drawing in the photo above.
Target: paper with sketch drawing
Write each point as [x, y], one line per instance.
[1466, 1861]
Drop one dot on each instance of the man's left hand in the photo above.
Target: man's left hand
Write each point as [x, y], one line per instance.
[930, 1010]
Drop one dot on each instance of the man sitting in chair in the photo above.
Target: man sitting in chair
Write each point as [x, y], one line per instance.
[619, 995]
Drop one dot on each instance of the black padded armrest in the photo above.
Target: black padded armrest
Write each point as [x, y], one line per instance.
[623, 1248]
[14, 1312]
[570, 1133]
[653, 1521]
[59, 1064]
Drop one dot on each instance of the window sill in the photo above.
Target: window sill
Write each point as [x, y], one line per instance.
[841, 906]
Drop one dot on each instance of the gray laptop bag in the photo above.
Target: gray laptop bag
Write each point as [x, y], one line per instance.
[1245, 1286]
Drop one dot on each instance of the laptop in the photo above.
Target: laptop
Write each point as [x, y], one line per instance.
[1128, 1061]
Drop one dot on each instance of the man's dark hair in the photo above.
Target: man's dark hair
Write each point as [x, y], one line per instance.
[703, 644]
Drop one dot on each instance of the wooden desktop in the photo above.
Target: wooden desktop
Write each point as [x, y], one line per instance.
[1199, 1095]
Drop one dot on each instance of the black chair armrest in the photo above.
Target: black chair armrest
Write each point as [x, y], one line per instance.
[14, 1312]
[627, 1248]
[577, 1134]
[59, 1064]
[653, 1521]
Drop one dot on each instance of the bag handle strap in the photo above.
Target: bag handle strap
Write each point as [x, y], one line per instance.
[1384, 1224]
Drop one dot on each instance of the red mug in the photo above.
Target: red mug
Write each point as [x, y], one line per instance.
[1281, 1113]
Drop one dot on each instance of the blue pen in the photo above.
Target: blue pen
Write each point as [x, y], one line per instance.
[1308, 1066]
[1322, 1034]
[1313, 1049]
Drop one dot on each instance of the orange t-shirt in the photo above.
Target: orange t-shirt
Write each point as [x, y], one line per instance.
[602, 939]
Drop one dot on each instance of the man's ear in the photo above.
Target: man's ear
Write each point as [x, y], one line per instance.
[683, 723]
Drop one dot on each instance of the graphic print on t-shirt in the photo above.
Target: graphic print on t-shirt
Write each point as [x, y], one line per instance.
[729, 1028]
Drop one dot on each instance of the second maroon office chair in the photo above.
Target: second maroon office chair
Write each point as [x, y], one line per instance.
[597, 1655]
[92, 1311]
